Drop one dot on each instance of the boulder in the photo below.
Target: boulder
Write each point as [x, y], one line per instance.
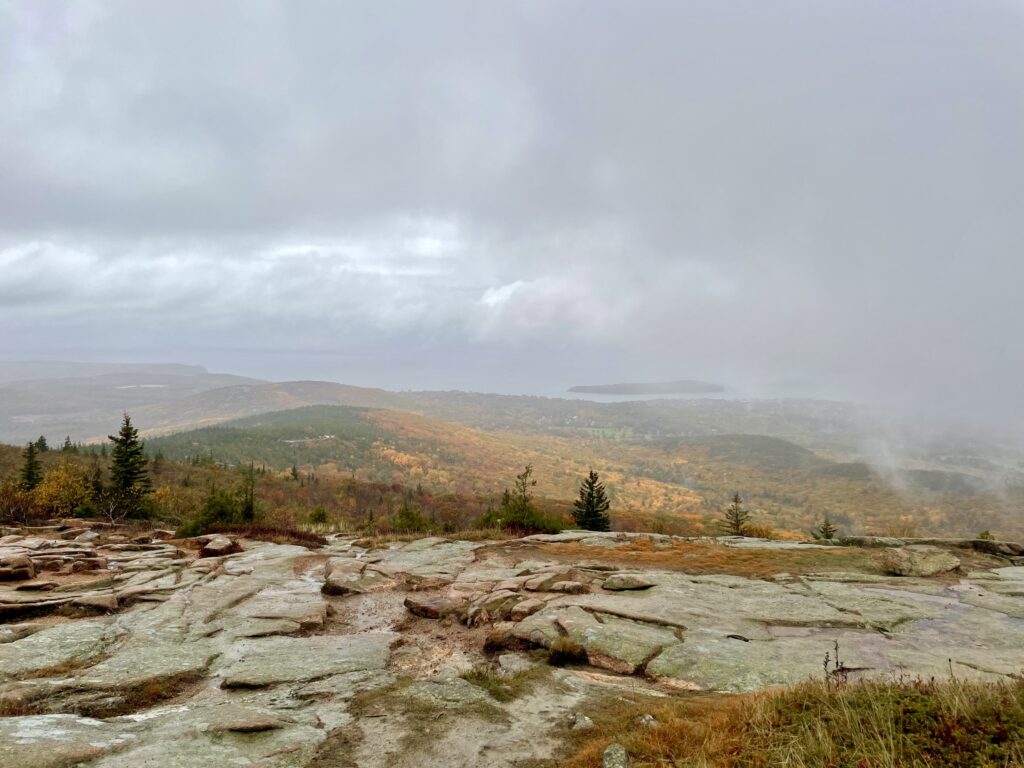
[621, 645]
[918, 560]
[345, 576]
[36, 586]
[542, 582]
[615, 756]
[87, 536]
[89, 564]
[525, 608]
[569, 587]
[431, 606]
[107, 602]
[218, 546]
[868, 541]
[16, 568]
[492, 606]
[580, 722]
[1002, 548]
[624, 581]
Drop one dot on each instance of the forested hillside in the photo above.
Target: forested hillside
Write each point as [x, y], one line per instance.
[676, 484]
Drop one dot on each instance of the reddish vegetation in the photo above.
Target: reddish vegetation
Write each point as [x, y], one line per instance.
[699, 557]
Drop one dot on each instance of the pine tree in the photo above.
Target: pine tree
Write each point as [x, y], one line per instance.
[826, 530]
[591, 508]
[128, 465]
[31, 471]
[736, 517]
[249, 494]
[96, 480]
[517, 511]
[68, 446]
[41, 445]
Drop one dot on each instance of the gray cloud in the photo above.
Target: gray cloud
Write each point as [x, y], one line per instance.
[508, 195]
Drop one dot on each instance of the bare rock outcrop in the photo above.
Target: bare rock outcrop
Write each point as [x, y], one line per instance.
[918, 560]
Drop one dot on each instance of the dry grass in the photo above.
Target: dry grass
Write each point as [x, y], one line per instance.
[382, 540]
[504, 686]
[880, 724]
[562, 652]
[698, 557]
[271, 533]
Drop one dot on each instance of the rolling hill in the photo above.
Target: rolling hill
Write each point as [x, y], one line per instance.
[674, 484]
[666, 462]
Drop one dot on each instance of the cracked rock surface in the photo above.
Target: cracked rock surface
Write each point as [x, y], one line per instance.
[279, 655]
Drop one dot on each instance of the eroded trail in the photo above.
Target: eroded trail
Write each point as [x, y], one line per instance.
[420, 653]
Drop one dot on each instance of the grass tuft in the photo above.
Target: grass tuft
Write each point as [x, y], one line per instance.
[871, 724]
[564, 651]
[499, 686]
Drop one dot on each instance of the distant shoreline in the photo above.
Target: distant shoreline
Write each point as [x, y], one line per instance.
[684, 387]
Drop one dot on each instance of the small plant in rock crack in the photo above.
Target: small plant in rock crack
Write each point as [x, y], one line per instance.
[835, 669]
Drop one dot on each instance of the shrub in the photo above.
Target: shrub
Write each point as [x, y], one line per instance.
[63, 489]
[760, 531]
[17, 506]
[220, 507]
[517, 512]
[410, 520]
[318, 516]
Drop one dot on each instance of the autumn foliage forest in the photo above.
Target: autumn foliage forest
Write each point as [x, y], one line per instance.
[347, 468]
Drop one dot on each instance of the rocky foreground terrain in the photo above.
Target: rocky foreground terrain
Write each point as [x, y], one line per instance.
[134, 650]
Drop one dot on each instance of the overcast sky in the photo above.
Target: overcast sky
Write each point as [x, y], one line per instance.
[522, 196]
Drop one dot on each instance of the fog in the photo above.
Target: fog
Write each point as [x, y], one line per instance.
[813, 198]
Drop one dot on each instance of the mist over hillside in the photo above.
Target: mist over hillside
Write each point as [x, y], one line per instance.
[576, 384]
[670, 459]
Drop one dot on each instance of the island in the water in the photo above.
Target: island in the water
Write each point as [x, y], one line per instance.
[684, 387]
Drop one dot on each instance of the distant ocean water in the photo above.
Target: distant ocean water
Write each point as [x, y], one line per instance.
[602, 398]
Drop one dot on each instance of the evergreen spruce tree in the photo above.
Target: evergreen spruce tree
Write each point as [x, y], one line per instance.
[591, 508]
[517, 511]
[128, 466]
[96, 480]
[826, 531]
[736, 517]
[68, 446]
[31, 471]
[249, 494]
[41, 445]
